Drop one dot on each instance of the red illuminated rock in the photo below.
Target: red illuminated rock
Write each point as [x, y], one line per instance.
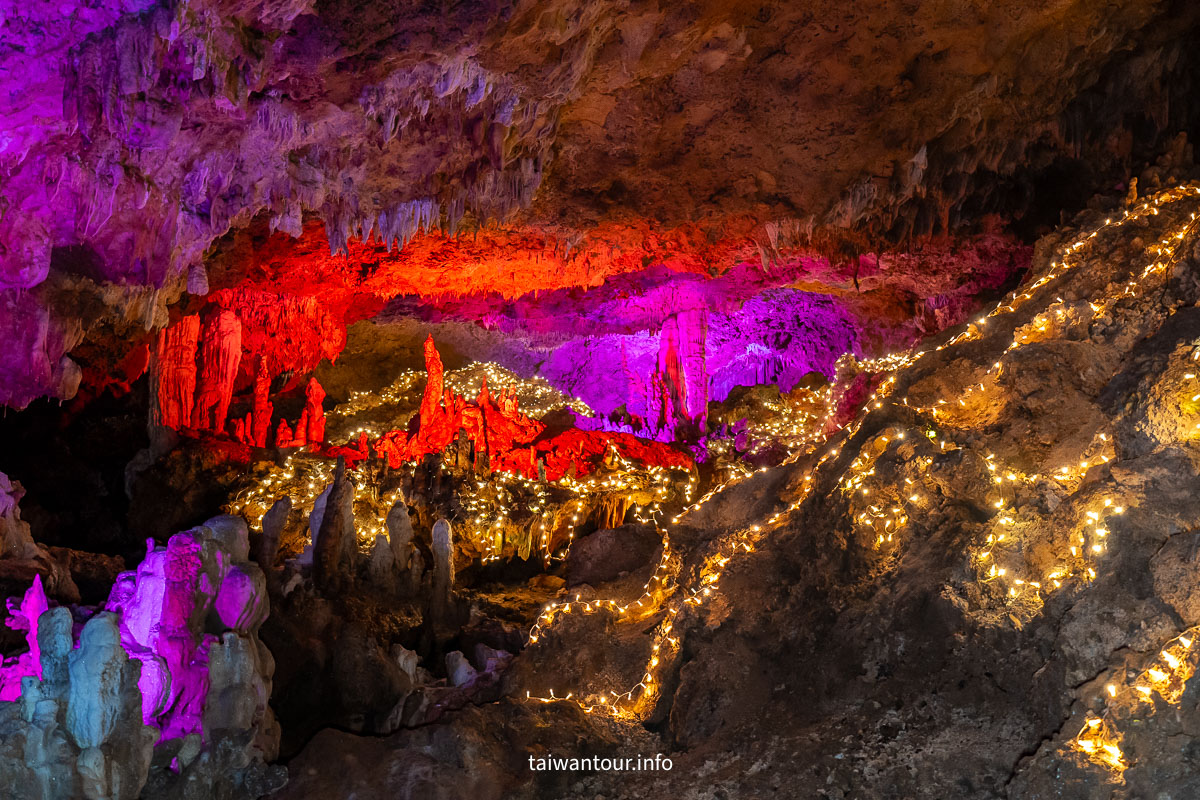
[314, 414]
[437, 424]
[175, 361]
[219, 359]
[510, 439]
[391, 447]
[261, 415]
[288, 328]
[359, 451]
[283, 434]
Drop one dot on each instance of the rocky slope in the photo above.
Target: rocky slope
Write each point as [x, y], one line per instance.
[979, 588]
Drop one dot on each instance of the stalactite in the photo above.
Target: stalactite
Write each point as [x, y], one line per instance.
[263, 408]
[219, 360]
[175, 368]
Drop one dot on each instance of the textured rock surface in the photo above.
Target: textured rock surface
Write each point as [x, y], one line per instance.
[167, 688]
[604, 555]
[21, 558]
[221, 218]
[138, 134]
[78, 731]
[979, 599]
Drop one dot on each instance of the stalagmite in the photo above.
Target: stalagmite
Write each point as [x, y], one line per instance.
[400, 534]
[435, 431]
[314, 522]
[411, 581]
[283, 434]
[300, 437]
[314, 414]
[407, 559]
[97, 671]
[335, 544]
[272, 528]
[25, 616]
[381, 565]
[443, 570]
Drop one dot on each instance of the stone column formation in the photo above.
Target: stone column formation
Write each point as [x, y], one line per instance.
[335, 543]
[408, 563]
[443, 570]
[219, 359]
[272, 528]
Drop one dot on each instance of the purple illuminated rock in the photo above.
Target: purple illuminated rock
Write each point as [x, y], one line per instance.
[176, 605]
[174, 658]
[458, 669]
[24, 616]
[241, 602]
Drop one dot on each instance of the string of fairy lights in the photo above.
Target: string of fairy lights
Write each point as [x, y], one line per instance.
[504, 508]
[626, 485]
[1165, 675]
[998, 559]
[993, 559]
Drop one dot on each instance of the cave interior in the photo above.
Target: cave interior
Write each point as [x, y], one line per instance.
[599, 399]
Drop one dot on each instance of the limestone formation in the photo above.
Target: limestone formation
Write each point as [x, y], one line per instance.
[173, 663]
[443, 570]
[273, 523]
[807, 393]
[459, 669]
[400, 535]
[334, 546]
[381, 565]
[77, 732]
[15, 539]
[413, 578]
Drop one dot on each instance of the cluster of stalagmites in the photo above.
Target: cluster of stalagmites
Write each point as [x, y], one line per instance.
[394, 571]
[161, 692]
[501, 437]
[394, 566]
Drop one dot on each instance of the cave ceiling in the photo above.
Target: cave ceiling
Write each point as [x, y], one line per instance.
[154, 152]
[392, 392]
